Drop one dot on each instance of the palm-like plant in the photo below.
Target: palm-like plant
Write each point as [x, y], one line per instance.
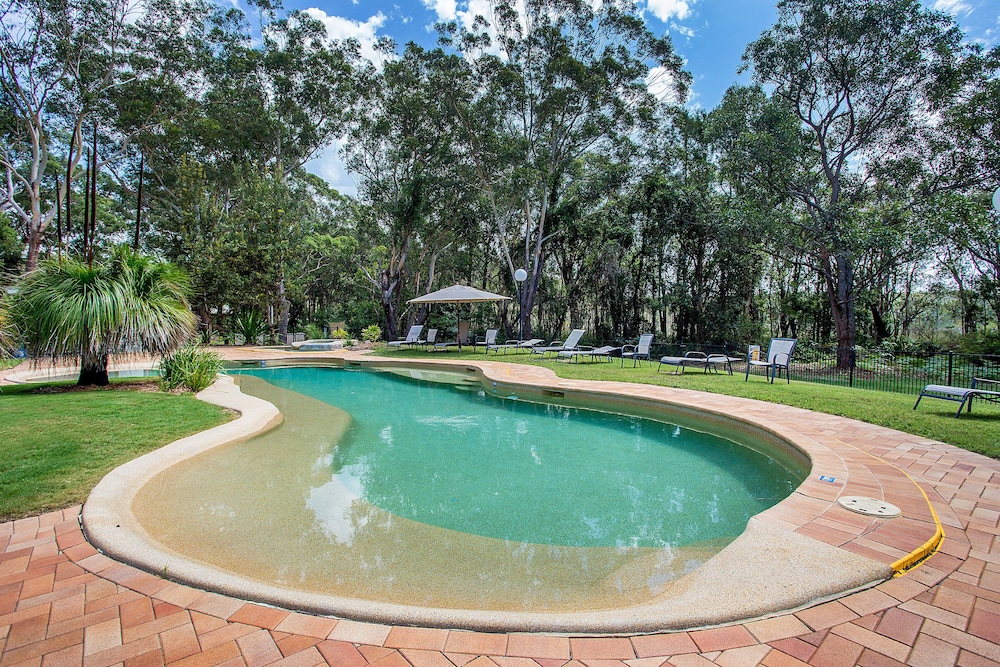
[130, 305]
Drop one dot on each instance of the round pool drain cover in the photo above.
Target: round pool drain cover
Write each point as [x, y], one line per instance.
[869, 506]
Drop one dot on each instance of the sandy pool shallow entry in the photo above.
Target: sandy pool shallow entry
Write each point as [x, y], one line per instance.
[271, 510]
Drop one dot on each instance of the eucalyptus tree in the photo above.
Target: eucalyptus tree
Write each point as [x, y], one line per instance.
[401, 148]
[131, 304]
[857, 73]
[557, 79]
[57, 58]
[70, 67]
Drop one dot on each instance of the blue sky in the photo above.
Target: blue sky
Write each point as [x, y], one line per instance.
[710, 35]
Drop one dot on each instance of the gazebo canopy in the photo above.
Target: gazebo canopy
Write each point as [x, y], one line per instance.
[459, 294]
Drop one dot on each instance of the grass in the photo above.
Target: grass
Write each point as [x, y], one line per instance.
[54, 447]
[978, 432]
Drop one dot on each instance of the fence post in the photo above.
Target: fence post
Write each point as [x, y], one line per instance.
[951, 365]
[854, 360]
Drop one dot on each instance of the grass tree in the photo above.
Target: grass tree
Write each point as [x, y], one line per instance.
[132, 304]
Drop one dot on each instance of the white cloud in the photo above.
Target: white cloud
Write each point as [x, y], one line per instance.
[682, 29]
[668, 9]
[339, 28]
[445, 9]
[953, 7]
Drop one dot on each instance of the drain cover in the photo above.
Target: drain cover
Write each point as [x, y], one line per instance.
[869, 506]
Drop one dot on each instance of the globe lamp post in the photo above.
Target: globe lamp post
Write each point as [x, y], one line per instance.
[519, 277]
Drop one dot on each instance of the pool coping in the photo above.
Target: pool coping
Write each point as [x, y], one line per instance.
[807, 530]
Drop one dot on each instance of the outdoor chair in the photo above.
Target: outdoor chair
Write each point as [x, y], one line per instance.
[638, 351]
[489, 339]
[460, 340]
[412, 337]
[779, 356]
[572, 342]
[431, 338]
[961, 395]
[699, 359]
[525, 345]
[592, 352]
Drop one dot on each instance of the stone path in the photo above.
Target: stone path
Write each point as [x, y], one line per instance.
[62, 603]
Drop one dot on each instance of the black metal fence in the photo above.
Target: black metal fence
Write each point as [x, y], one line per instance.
[901, 372]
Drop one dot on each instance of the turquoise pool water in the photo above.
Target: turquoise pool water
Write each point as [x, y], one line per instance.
[389, 489]
[455, 457]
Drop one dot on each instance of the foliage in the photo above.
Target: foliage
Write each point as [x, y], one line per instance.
[131, 304]
[251, 325]
[844, 196]
[371, 334]
[6, 330]
[562, 79]
[191, 367]
[56, 445]
[858, 75]
[312, 331]
[340, 334]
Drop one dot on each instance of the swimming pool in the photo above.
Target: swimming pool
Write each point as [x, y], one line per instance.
[369, 483]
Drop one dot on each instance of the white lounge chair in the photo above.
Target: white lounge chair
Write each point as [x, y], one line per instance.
[699, 360]
[961, 395]
[572, 342]
[461, 339]
[412, 337]
[638, 351]
[520, 345]
[779, 355]
[592, 352]
[489, 339]
[431, 338]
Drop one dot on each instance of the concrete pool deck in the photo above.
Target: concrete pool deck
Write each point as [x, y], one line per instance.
[60, 598]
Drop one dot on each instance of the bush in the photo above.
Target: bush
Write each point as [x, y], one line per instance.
[312, 331]
[251, 325]
[340, 334]
[191, 367]
[371, 334]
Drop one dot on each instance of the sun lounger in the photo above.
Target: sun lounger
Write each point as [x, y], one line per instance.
[593, 353]
[699, 360]
[961, 395]
[572, 342]
[520, 345]
[412, 337]
[461, 339]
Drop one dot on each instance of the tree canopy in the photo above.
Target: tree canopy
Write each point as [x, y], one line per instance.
[824, 201]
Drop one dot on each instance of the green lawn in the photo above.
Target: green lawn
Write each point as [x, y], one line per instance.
[54, 447]
[977, 432]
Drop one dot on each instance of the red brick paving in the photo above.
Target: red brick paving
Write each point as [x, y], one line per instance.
[62, 603]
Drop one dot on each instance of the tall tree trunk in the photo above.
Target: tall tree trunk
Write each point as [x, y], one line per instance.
[138, 202]
[839, 280]
[93, 369]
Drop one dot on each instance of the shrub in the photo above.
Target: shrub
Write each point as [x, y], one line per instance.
[340, 334]
[371, 334]
[191, 366]
[251, 325]
[312, 331]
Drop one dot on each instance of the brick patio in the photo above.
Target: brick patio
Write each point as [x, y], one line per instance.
[62, 603]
